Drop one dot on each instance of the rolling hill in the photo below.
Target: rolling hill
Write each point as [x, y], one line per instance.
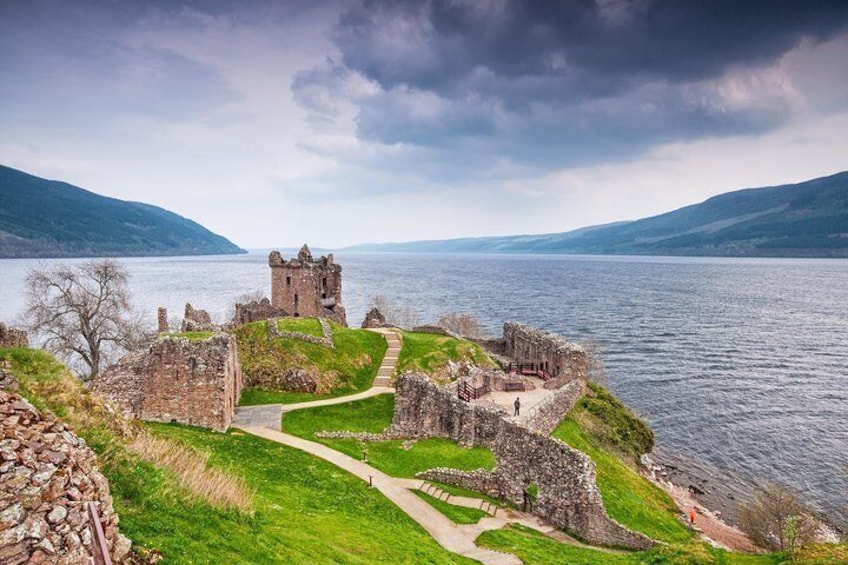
[809, 219]
[44, 218]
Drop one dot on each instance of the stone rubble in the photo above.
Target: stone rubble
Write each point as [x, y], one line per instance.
[47, 475]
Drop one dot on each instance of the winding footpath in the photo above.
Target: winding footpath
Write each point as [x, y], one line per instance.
[265, 421]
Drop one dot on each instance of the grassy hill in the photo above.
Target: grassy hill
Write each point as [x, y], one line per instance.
[809, 219]
[44, 218]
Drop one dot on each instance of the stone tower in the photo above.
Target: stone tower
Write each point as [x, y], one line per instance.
[305, 286]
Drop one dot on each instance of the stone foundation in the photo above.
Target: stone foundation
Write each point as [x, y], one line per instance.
[12, 337]
[568, 497]
[197, 383]
[47, 476]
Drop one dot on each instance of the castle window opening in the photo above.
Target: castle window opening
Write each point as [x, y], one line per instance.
[288, 280]
[324, 283]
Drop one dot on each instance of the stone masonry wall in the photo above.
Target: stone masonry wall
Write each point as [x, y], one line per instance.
[178, 380]
[47, 475]
[255, 311]
[544, 417]
[305, 286]
[565, 478]
[564, 360]
[12, 337]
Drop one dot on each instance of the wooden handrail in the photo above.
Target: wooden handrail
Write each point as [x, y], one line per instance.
[99, 549]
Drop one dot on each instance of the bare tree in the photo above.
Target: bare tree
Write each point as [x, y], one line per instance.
[461, 323]
[596, 372]
[776, 519]
[396, 314]
[83, 312]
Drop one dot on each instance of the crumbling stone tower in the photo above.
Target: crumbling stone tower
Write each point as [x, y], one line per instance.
[305, 286]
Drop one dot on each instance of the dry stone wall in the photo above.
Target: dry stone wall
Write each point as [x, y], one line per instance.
[565, 478]
[12, 337]
[47, 475]
[178, 380]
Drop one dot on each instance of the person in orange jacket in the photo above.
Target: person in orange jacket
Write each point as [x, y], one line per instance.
[692, 518]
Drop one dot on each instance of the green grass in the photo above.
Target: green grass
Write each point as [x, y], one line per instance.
[628, 497]
[457, 514]
[374, 415]
[191, 336]
[309, 326]
[535, 548]
[348, 368]
[430, 353]
[305, 509]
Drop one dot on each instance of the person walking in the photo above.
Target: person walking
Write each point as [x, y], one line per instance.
[517, 406]
[692, 518]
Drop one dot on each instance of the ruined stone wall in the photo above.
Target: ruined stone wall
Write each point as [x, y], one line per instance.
[565, 478]
[12, 337]
[307, 287]
[178, 380]
[256, 311]
[47, 476]
[564, 360]
[196, 320]
[544, 417]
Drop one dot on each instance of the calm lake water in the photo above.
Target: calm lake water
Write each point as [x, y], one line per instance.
[740, 362]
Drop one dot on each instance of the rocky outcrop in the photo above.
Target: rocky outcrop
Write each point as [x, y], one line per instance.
[12, 337]
[563, 477]
[194, 382]
[47, 476]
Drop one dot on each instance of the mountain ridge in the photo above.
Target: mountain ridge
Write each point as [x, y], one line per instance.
[48, 218]
[807, 219]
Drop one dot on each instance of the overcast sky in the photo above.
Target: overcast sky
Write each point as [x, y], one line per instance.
[274, 123]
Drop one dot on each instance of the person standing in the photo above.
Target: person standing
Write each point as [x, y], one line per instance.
[692, 518]
[517, 406]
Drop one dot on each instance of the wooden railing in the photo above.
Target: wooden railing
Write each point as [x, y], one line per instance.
[99, 548]
[531, 369]
[468, 392]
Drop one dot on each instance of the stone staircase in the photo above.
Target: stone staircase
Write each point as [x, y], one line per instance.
[480, 504]
[387, 367]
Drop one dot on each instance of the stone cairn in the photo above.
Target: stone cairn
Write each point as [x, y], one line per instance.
[47, 475]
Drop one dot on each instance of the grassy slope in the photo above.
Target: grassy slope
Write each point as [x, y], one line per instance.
[309, 326]
[354, 361]
[306, 510]
[457, 514]
[374, 415]
[536, 549]
[430, 353]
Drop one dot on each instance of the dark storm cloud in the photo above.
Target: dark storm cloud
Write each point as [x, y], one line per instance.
[673, 39]
[567, 82]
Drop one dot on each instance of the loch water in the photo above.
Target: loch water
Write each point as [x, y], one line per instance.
[742, 363]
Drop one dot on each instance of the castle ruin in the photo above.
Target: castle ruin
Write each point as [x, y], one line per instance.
[305, 286]
[194, 382]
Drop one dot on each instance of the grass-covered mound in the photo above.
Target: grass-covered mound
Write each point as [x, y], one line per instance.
[347, 368]
[374, 415]
[430, 353]
[535, 548]
[304, 510]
